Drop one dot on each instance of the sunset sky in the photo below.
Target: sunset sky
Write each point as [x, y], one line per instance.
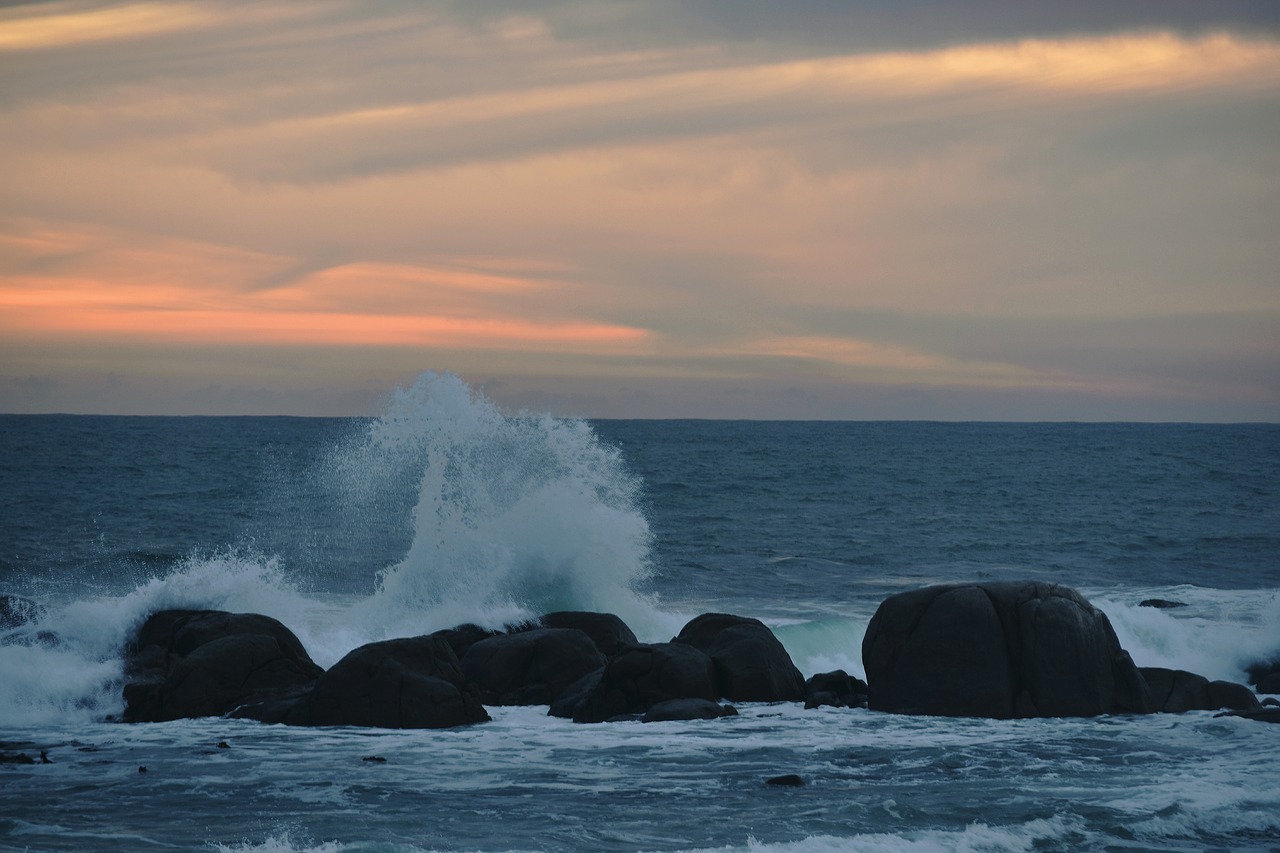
[715, 208]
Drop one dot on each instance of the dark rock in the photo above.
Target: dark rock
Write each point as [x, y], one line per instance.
[575, 694]
[641, 676]
[411, 683]
[1229, 694]
[1000, 650]
[16, 611]
[532, 667]
[374, 759]
[610, 634]
[1175, 691]
[750, 664]
[1161, 603]
[16, 758]
[202, 663]
[790, 780]
[1268, 714]
[837, 689]
[462, 637]
[687, 709]
[1265, 675]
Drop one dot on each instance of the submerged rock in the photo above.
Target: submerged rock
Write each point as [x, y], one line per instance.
[789, 780]
[1161, 603]
[687, 709]
[205, 663]
[999, 650]
[532, 667]
[750, 664]
[411, 683]
[16, 611]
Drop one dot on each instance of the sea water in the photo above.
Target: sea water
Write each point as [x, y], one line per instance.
[447, 509]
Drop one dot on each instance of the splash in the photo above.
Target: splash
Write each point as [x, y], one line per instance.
[516, 515]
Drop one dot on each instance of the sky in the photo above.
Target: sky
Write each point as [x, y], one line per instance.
[892, 209]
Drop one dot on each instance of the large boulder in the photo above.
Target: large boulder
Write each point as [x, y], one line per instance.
[531, 667]
[410, 683]
[638, 678]
[610, 634]
[1174, 691]
[203, 663]
[751, 665]
[1000, 650]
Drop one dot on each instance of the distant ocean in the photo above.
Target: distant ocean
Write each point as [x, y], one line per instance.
[446, 509]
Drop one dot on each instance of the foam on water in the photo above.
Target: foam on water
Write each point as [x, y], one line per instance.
[1216, 634]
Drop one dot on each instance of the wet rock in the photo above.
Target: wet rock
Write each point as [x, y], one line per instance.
[1161, 603]
[16, 758]
[641, 676]
[610, 634]
[462, 637]
[202, 663]
[411, 683]
[1175, 691]
[532, 667]
[750, 664]
[790, 780]
[836, 689]
[16, 611]
[1265, 676]
[687, 709]
[999, 650]
[1268, 714]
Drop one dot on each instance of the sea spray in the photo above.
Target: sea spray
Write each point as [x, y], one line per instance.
[517, 515]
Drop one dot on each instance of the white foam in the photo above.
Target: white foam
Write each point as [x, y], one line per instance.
[1217, 634]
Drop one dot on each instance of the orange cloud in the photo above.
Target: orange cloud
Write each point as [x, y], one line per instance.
[146, 296]
[22, 30]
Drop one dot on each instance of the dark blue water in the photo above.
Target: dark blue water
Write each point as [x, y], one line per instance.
[446, 510]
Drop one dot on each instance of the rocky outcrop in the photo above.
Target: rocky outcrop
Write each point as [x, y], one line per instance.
[1174, 691]
[411, 683]
[610, 634]
[638, 678]
[750, 664]
[999, 650]
[531, 667]
[202, 663]
[836, 689]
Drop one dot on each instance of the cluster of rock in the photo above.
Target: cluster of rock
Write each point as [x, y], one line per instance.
[997, 650]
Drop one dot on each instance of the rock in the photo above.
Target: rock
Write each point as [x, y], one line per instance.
[16, 611]
[462, 637]
[532, 667]
[203, 663]
[16, 758]
[1161, 603]
[610, 634]
[411, 683]
[837, 689]
[1229, 694]
[750, 664]
[790, 780]
[999, 650]
[644, 675]
[1175, 691]
[1270, 714]
[687, 709]
[1265, 676]
[575, 694]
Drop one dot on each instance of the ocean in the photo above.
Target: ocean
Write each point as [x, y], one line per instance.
[446, 509]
